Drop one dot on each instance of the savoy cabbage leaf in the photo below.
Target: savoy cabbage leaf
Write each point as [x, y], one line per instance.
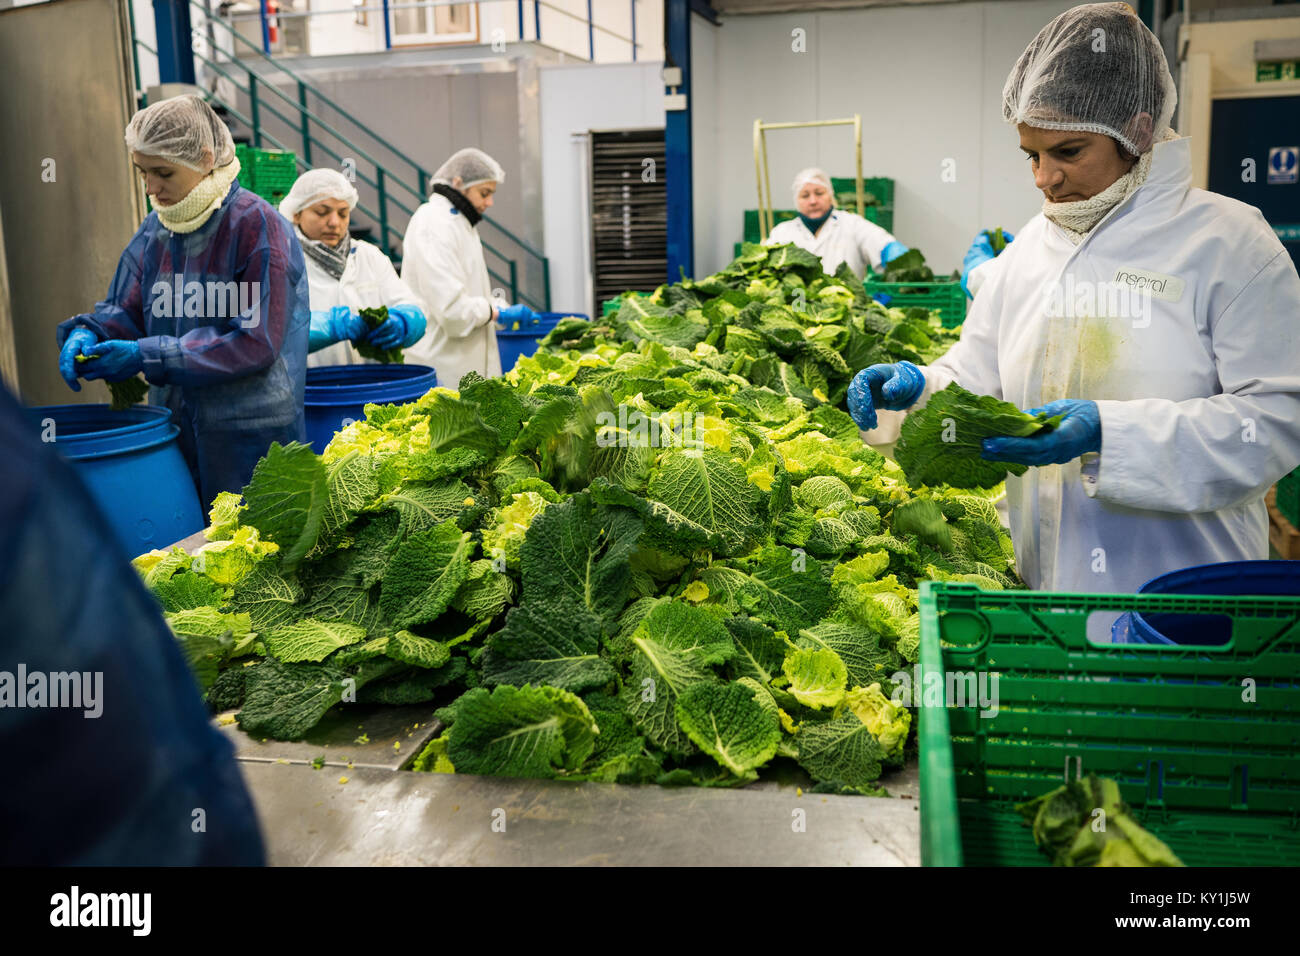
[941, 443]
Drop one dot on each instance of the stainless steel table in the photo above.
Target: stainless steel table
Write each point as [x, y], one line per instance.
[361, 809]
[382, 817]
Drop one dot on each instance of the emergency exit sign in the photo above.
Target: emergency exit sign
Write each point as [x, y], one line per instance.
[1283, 70]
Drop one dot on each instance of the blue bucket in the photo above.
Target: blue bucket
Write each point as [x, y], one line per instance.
[133, 468]
[514, 344]
[338, 394]
[1236, 578]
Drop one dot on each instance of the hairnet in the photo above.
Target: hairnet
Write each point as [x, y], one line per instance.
[180, 130]
[471, 166]
[810, 175]
[313, 186]
[1095, 68]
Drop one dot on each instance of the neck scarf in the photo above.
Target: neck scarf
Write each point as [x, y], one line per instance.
[333, 259]
[459, 200]
[202, 201]
[815, 224]
[1077, 219]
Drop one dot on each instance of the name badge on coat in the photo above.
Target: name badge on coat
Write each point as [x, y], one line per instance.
[1155, 284]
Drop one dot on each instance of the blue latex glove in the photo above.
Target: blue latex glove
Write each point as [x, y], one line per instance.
[79, 342]
[883, 298]
[514, 313]
[118, 360]
[413, 315]
[893, 387]
[404, 327]
[1078, 433]
[980, 251]
[339, 324]
[892, 252]
[390, 334]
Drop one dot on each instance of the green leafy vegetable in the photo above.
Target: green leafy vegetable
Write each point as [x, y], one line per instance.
[941, 443]
[374, 318]
[656, 551]
[1087, 823]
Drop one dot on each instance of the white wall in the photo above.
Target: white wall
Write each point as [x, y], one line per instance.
[579, 99]
[711, 233]
[928, 83]
[340, 32]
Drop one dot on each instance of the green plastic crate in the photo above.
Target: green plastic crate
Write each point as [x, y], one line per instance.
[274, 196]
[1288, 498]
[751, 233]
[244, 154]
[1214, 776]
[275, 162]
[943, 295]
[881, 187]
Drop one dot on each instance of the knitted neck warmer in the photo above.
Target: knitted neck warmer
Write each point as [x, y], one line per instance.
[333, 259]
[1077, 219]
[203, 200]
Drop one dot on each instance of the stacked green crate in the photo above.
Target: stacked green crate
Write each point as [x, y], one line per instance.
[274, 172]
[244, 154]
[878, 192]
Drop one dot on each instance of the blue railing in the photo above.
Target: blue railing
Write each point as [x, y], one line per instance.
[266, 98]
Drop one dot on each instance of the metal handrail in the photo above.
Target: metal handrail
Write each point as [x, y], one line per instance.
[386, 230]
[306, 117]
[422, 191]
[235, 34]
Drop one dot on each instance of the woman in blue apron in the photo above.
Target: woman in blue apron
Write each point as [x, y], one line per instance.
[209, 301]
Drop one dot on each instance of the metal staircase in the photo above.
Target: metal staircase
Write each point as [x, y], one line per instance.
[399, 191]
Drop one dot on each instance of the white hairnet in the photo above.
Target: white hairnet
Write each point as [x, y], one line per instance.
[313, 186]
[1095, 68]
[181, 130]
[472, 166]
[810, 175]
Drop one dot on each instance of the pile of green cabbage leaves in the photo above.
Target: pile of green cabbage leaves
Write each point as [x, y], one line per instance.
[655, 551]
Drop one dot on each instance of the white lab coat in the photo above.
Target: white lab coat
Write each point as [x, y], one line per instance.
[845, 237]
[443, 262]
[981, 274]
[368, 281]
[1199, 399]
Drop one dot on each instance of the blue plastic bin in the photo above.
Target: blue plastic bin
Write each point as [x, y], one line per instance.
[515, 344]
[132, 466]
[1235, 578]
[337, 395]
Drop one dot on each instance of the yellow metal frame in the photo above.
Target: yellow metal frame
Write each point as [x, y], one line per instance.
[764, 175]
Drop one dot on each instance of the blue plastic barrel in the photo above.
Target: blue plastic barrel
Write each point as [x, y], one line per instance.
[1236, 578]
[337, 394]
[514, 344]
[132, 466]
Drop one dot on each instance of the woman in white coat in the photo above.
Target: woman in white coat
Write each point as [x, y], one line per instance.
[835, 235]
[1182, 402]
[346, 275]
[443, 261]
